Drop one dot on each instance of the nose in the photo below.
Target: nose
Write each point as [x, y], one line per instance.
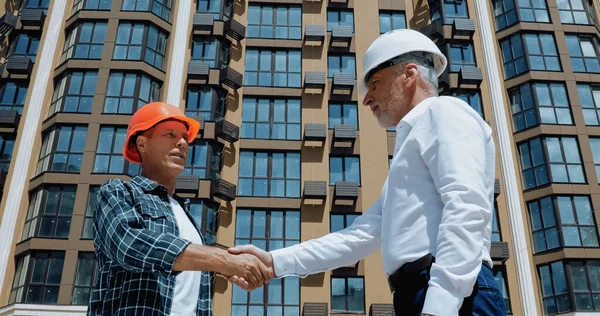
[368, 99]
[182, 142]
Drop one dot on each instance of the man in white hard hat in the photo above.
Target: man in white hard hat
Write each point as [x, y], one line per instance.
[433, 218]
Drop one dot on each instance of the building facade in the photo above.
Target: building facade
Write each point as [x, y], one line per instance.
[286, 152]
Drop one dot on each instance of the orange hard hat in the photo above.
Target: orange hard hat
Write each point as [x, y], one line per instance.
[148, 116]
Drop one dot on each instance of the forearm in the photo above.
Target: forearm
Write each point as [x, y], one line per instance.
[202, 258]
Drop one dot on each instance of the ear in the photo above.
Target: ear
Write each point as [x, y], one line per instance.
[141, 143]
[412, 73]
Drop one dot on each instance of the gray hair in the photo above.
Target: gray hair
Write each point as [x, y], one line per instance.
[425, 65]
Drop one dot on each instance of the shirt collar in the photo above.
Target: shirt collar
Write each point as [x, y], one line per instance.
[150, 186]
[415, 113]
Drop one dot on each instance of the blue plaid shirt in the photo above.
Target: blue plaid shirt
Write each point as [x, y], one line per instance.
[136, 240]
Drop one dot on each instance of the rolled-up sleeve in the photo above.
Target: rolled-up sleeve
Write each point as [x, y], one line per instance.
[455, 153]
[122, 237]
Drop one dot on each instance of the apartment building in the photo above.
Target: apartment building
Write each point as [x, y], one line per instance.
[286, 152]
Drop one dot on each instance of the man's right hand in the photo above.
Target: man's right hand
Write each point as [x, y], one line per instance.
[249, 270]
[264, 256]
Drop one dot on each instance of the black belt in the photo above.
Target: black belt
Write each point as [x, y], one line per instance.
[409, 272]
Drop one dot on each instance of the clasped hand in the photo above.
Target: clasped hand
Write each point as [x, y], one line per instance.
[254, 267]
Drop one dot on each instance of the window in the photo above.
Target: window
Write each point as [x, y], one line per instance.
[461, 55]
[138, 41]
[348, 294]
[391, 21]
[25, 44]
[127, 92]
[206, 215]
[344, 169]
[341, 221]
[268, 230]
[88, 224]
[7, 144]
[84, 41]
[271, 118]
[584, 55]
[533, 11]
[85, 278]
[280, 22]
[109, 157]
[269, 174]
[500, 277]
[96, 5]
[62, 149]
[576, 222]
[589, 96]
[74, 92]
[339, 18]
[472, 98]
[595, 146]
[496, 236]
[37, 278]
[559, 154]
[206, 102]
[211, 51]
[221, 9]
[451, 10]
[273, 68]
[541, 54]
[343, 113]
[554, 288]
[341, 63]
[505, 13]
[160, 8]
[49, 212]
[38, 4]
[12, 96]
[570, 286]
[204, 160]
[574, 12]
[540, 103]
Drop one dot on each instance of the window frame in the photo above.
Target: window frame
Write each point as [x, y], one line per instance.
[32, 37]
[94, 277]
[274, 9]
[342, 117]
[36, 211]
[222, 52]
[340, 58]
[440, 7]
[346, 288]
[339, 12]
[272, 68]
[129, 168]
[343, 158]
[213, 149]
[526, 54]
[154, 87]
[587, 9]
[210, 234]
[504, 15]
[25, 276]
[19, 85]
[163, 4]
[345, 217]
[536, 107]
[7, 143]
[590, 87]
[501, 269]
[73, 40]
[225, 9]
[218, 102]
[61, 92]
[271, 121]
[144, 47]
[53, 135]
[82, 5]
[595, 43]
[89, 211]
[269, 177]
[389, 14]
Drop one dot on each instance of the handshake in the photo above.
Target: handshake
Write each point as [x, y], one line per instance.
[249, 267]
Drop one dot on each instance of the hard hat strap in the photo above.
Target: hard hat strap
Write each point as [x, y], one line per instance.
[419, 56]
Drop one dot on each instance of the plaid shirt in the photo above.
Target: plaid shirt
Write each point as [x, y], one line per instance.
[136, 240]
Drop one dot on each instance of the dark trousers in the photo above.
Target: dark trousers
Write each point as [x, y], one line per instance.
[486, 299]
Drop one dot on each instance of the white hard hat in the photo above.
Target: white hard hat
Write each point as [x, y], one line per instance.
[393, 44]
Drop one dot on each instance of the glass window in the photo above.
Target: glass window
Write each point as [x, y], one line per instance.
[273, 68]
[449, 9]
[595, 146]
[271, 118]
[540, 103]
[341, 63]
[339, 222]
[343, 113]
[160, 8]
[500, 277]
[570, 286]
[206, 102]
[12, 96]
[533, 11]
[513, 55]
[496, 236]
[62, 149]
[391, 21]
[206, 215]
[7, 145]
[586, 291]
[541, 53]
[584, 54]
[461, 55]
[339, 18]
[269, 174]
[555, 293]
[211, 51]
[589, 96]
[74, 93]
[37, 278]
[85, 278]
[574, 12]
[139, 41]
[49, 212]
[472, 98]
[204, 160]
[268, 230]
[25, 44]
[505, 13]
[280, 22]
[37, 4]
[345, 169]
[88, 224]
[95, 5]
[127, 92]
[215, 7]
[348, 294]
[109, 157]
[84, 41]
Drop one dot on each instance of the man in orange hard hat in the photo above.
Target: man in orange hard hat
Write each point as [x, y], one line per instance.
[152, 259]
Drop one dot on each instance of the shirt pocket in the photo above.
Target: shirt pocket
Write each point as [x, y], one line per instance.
[155, 219]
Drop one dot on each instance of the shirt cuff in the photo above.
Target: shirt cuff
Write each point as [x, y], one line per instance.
[440, 302]
[283, 262]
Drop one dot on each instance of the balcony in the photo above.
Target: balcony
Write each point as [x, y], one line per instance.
[315, 309]
[341, 36]
[315, 189]
[32, 17]
[214, 76]
[19, 65]
[346, 190]
[8, 22]
[9, 119]
[187, 183]
[227, 131]
[382, 310]
[223, 190]
[343, 83]
[499, 251]
[314, 34]
[315, 132]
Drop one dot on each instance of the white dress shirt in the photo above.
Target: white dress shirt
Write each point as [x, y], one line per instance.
[437, 198]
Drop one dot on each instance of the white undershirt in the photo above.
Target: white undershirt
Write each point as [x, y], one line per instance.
[187, 283]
